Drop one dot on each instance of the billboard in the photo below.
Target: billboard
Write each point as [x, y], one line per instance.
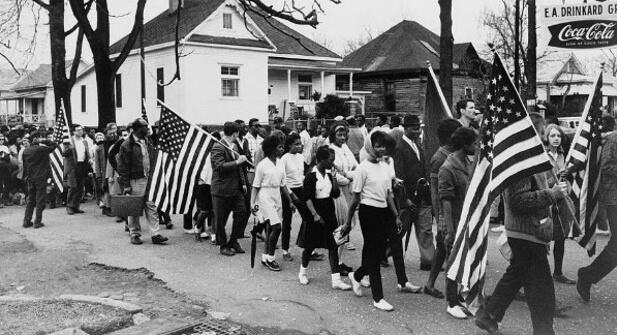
[580, 26]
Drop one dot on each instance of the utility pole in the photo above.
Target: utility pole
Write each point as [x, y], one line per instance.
[517, 38]
[531, 56]
[142, 68]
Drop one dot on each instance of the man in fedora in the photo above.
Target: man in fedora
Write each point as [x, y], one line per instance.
[409, 166]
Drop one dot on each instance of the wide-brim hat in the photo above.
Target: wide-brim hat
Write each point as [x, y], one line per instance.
[411, 120]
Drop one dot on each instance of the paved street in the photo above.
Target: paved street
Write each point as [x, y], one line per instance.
[262, 298]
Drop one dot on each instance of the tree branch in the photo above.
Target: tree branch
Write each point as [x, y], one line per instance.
[309, 19]
[76, 59]
[128, 46]
[42, 4]
[79, 11]
[87, 6]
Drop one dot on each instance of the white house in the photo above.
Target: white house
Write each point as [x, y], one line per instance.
[31, 98]
[231, 67]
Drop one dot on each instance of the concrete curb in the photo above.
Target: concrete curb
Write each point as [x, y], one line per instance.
[131, 308]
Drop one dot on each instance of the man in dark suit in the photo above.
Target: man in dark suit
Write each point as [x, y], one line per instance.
[409, 166]
[242, 144]
[228, 190]
[76, 164]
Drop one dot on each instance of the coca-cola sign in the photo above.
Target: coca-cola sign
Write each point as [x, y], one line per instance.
[586, 34]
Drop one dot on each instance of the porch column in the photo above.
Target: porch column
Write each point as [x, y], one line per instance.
[351, 84]
[288, 85]
[322, 83]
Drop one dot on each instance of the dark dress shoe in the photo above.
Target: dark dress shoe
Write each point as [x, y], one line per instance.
[28, 224]
[136, 240]
[260, 237]
[237, 248]
[227, 251]
[38, 225]
[169, 225]
[78, 211]
[434, 292]
[198, 238]
[70, 211]
[384, 263]
[348, 269]
[317, 256]
[159, 240]
[563, 279]
[486, 323]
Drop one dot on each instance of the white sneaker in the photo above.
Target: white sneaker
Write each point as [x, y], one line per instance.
[383, 305]
[603, 232]
[409, 288]
[340, 284]
[497, 229]
[303, 278]
[191, 231]
[204, 235]
[350, 246]
[456, 312]
[357, 288]
[365, 282]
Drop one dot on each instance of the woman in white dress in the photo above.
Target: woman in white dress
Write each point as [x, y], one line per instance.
[268, 186]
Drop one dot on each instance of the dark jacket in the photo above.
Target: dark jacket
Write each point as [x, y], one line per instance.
[608, 185]
[409, 168]
[453, 179]
[527, 206]
[36, 162]
[130, 161]
[227, 176]
[437, 161]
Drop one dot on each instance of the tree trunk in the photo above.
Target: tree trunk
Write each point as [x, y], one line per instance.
[58, 56]
[446, 46]
[106, 100]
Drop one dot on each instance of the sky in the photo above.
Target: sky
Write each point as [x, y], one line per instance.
[347, 21]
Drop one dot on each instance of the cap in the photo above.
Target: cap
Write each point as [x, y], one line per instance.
[338, 118]
[278, 120]
[411, 120]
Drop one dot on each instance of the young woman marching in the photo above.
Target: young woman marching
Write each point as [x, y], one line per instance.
[293, 163]
[268, 186]
[345, 164]
[561, 228]
[372, 190]
[320, 189]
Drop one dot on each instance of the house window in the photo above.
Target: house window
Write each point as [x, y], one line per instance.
[230, 81]
[160, 89]
[83, 99]
[305, 87]
[468, 92]
[227, 20]
[119, 90]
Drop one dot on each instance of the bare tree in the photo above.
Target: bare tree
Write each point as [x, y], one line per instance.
[354, 44]
[19, 28]
[98, 38]
[610, 61]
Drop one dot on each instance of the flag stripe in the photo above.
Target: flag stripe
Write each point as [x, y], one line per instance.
[181, 157]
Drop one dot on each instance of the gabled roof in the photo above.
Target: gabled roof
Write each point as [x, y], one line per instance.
[8, 78]
[161, 30]
[406, 47]
[552, 66]
[35, 79]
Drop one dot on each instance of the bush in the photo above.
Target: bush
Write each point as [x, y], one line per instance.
[331, 107]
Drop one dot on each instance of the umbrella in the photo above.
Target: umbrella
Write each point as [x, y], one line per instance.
[257, 228]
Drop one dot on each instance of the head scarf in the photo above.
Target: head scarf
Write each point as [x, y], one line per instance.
[368, 147]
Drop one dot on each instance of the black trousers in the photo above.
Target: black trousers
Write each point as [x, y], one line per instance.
[396, 248]
[529, 268]
[287, 216]
[37, 199]
[375, 236]
[606, 261]
[73, 199]
[222, 207]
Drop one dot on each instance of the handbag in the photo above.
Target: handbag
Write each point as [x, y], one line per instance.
[339, 239]
[127, 205]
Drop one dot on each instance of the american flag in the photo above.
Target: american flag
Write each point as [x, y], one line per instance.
[435, 109]
[584, 157]
[510, 150]
[183, 148]
[56, 161]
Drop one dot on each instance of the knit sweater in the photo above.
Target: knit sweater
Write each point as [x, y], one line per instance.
[527, 205]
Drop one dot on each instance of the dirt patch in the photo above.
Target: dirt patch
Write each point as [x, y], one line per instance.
[48, 316]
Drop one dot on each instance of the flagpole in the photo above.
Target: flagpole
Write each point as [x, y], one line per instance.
[441, 96]
[210, 135]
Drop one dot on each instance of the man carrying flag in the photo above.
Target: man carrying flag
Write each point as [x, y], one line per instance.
[529, 227]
